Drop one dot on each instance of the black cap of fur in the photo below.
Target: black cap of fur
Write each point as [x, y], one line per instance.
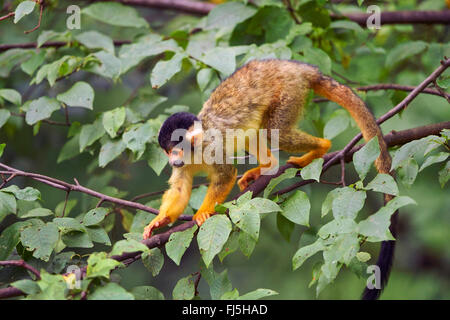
[179, 120]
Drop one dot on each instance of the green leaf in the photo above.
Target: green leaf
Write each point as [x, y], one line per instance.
[151, 45]
[220, 285]
[363, 158]
[153, 260]
[37, 212]
[27, 194]
[4, 116]
[80, 94]
[178, 243]
[376, 227]
[110, 66]
[403, 51]
[115, 14]
[257, 294]
[110, 291]
[406, 151]
[156, 158]
[230, 246]
[348, 203]
[312, 170]
[316, 13]
[26, 285]
[40, 239]
[383, 183]
[109, 151]
[9, 238]
[319, 58]
[112, 120]
[407, 172]
[99, 265]
[24, 8]
[228, 14]
[184, 289]
[305, 252]
[40, 109]
[346, 24]
[343, 250]
[2, 148]
[90, 133]
[220, 58]
[165, 70]
[98, 234]
[137, 136]
[48, 35]
[337, 226]
[440, 157]
[212, 236]
[96, 40]
[128, 245]
[444, 174]
[76, 239]
[197, 196]
[147, 293]
[11, 95]
[7, 204]
[288, 174]
[68, 224]
[36, 60]
[70, 149]
[296, 208]
[246, 243]
[11, 58]
[95, 216]
[336, 125]
[246, 220]
[230, 295]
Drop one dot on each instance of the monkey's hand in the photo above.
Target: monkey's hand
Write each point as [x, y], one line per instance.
[248, 177]
[158, 222]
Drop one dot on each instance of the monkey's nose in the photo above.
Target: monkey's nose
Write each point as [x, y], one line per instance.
[178, 163]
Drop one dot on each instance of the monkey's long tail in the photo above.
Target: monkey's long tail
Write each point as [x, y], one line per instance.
[345, 97]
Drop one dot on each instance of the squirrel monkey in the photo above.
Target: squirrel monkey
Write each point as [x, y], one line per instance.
[264, 94]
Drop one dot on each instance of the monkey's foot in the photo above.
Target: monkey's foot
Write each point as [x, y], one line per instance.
[201, 217]
[158, 222]
[301, 162]
[248, 177]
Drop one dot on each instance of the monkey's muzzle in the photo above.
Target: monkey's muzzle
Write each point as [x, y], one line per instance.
[178, 163]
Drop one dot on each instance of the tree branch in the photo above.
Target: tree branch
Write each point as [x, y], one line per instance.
[23, 264]
[400, 17]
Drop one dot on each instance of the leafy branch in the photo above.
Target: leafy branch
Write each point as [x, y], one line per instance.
[394, 138]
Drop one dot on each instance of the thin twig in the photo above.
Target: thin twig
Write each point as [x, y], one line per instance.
[41, 10]
[23, 264]
[6, 16]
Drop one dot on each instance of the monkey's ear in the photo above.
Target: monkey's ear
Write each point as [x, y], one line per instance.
[195, 134]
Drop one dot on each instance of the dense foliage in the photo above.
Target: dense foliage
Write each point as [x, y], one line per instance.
[87, 104]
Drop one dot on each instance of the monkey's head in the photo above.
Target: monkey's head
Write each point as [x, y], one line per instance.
[180, 132]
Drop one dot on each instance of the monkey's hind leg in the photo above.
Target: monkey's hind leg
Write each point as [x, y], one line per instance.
[294, 141]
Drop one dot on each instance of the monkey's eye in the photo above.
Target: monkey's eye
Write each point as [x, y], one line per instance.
[175, 152]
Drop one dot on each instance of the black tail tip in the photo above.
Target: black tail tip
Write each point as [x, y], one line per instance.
[385, 260]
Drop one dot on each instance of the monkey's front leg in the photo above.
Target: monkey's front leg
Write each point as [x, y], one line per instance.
[174, 201]
[222, 181]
